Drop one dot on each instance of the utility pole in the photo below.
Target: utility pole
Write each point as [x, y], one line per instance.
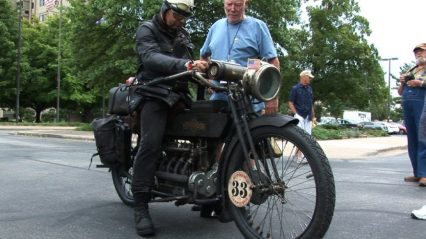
[18, 61]
[58, 77]
[389, 77]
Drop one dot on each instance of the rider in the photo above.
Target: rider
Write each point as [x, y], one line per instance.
[164, 48]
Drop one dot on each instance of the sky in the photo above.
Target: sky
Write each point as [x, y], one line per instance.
[397, 27]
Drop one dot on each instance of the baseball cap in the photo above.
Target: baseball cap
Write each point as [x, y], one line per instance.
[420, 46]
[306, 73]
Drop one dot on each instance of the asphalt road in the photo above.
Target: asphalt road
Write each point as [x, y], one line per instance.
[48, 192]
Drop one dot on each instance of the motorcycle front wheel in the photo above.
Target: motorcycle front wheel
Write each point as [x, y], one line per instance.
[288, 193]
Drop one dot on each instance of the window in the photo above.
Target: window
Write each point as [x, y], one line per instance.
[42, 17]
[41, 3]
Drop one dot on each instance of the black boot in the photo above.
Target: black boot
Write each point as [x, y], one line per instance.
[143, 221]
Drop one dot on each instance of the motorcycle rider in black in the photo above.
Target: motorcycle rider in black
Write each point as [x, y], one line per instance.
[164, 48]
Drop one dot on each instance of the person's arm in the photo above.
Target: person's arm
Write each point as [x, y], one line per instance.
[292, 108]
[151, 55]
[275, 61]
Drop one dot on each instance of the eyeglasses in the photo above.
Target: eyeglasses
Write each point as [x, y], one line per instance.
[178, 16]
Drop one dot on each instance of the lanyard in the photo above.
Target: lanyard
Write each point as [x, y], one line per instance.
[230, 45]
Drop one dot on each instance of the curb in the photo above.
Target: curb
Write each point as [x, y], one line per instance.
[386, 150]
[49, 135]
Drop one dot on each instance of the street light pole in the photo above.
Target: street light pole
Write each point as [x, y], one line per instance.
[389, 77]
[18, 62]
[58, 77]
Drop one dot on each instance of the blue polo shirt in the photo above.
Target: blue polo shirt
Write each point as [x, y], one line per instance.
[237, 43]
[303, 99]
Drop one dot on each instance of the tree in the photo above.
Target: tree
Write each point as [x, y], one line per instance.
[100, 39]
[8, 40]
[39, 67]
[102, 45]
[346, 68]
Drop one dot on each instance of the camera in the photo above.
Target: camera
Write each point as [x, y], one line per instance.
[409, 77]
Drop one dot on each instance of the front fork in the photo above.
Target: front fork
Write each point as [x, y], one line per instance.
[245, 137]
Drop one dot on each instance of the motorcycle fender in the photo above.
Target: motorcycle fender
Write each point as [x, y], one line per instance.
[276, 121]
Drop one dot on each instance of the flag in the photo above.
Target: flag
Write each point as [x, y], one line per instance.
[51, 4]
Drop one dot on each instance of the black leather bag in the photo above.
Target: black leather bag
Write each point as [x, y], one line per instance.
[113, 140]
[118, 100]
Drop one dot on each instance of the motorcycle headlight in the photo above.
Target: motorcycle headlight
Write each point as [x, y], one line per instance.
[263, 83]
[226, 71]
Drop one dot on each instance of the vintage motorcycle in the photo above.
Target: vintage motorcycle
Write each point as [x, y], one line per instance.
[263, 172]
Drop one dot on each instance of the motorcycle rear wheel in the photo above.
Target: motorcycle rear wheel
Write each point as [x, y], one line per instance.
[290, 198]
[122, 180]
[122, 175]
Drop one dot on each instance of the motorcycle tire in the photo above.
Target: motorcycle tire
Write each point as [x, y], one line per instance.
[289, 198]
[122, 175]
[121, 178]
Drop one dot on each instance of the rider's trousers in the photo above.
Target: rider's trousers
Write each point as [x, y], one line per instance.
[153, 119]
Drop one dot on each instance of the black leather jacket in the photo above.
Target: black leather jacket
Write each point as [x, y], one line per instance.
[162, 52]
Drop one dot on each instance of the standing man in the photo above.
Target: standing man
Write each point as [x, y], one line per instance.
[164, 48]
[237, 38]
[413, 91]
[302, 101]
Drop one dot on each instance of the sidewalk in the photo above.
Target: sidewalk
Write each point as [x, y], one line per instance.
[356, 148]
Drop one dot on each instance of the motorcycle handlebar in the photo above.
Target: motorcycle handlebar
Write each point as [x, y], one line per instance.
[198, 76]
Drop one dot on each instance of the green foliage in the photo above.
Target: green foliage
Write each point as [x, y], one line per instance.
[346, 68]
[326, 132]
[97, 52]
[100, 39]
[8, 40]
[39, 66]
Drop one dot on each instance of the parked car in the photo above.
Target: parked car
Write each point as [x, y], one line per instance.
[401, 127]
[346, 123]
[371, 125]
[328, 121]
[391, 128]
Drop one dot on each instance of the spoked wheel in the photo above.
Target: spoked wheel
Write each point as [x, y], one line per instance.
[122, 176]
[288, 193]
[122, 179]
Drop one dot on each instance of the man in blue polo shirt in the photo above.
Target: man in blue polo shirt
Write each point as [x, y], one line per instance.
[237, 38]
[302, 101]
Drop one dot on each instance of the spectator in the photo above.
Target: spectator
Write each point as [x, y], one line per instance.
[412, 89]
[302, 101]
[237, 38]
[302, 105]
[419, 214]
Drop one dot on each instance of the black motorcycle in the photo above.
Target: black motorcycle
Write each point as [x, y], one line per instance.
[263, 172]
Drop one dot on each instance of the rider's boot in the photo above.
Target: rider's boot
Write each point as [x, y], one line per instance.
[143, 221]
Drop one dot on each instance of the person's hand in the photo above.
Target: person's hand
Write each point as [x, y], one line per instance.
[271, 107]
[414, 83]
[402, 79]
[198, 65]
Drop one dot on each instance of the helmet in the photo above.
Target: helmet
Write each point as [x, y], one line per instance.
[182, 7]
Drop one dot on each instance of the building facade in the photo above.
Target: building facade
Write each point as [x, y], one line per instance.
[39, 9]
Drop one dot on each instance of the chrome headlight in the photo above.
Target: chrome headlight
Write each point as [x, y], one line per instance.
[264, 83]
[260, 79]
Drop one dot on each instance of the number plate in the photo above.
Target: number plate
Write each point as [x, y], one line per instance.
[239, 188]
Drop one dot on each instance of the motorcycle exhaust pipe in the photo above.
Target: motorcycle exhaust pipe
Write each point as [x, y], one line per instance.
[178, 178]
